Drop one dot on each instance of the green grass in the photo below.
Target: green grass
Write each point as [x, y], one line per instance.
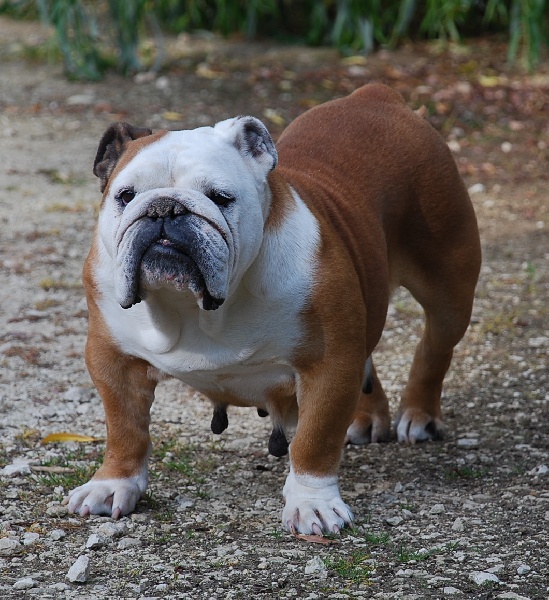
[352, 568]
[464, 473]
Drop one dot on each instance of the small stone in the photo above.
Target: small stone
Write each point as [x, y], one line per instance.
[113, 530]
[57, 510]
[128, 542]
[481, 577]
[468, 442]
[450, 591]
[512, 596]
[398, 487]
[458, 525]
[394, 521]
[539, 470]
[25, 584]
[523, 569]
[80, 570]
[57, 534]
[16, 468]
[60, 585]
[96, 541]
[184, 503]
[477, 188]
[9, 546]
[316, 566]
[437, 509]
[29, 538]
[538, 342]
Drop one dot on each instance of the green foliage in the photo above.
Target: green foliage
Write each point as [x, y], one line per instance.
[350, 25]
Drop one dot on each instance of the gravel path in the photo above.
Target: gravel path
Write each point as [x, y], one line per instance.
[464, 518]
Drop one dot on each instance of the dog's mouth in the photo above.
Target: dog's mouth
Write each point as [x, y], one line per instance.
[167, 263]
[182, 253]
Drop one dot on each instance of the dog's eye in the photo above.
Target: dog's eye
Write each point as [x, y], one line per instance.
[126, 195]
[220, 198]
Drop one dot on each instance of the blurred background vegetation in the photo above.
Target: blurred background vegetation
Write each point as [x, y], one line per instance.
[86, 30]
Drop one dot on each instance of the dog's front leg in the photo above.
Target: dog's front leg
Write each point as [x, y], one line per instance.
[327, 401]
[127, 391]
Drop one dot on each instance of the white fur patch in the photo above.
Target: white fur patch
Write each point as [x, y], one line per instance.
[314, 505]
[114, 497]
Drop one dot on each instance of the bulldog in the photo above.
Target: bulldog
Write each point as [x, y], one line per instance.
[261, 276]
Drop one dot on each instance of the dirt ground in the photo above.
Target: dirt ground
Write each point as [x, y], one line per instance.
[467, 517]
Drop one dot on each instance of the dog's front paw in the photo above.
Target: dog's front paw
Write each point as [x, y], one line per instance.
[313, 505]
[416, 425]
[114, 497]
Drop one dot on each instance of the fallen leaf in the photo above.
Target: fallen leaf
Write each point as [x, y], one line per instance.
[274, 116]
[69, 437]
[314, 539]
[172, 116]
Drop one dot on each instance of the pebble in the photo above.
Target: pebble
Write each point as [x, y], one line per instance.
[29, 538]
[458, 525]
[16, 468]
[96, 541]
[80, 570]
[523, 569]
[450, 591]
[57, 510]
[468, 442]
[25, 584]
[481, 577]
[57, 534]
[113, 530]
[316, 566]
[477, 188]
[394, 521]
[9, 546]
[437, 509]
[512, 596]
[128, 542]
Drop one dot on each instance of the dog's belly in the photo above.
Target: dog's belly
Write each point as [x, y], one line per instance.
[256, 384]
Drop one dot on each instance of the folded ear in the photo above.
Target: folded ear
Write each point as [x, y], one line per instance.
[251, 138]
[112, 145]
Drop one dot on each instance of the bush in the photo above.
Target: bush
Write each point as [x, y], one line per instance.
[351, 25]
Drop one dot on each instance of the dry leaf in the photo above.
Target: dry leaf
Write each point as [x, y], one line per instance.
[170, 115]
[314, 539]
[69, 437]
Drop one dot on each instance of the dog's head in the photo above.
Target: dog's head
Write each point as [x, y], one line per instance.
[183, 209]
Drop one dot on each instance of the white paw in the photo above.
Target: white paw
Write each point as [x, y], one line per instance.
[415, 425]
[114, 497]
[313, 505]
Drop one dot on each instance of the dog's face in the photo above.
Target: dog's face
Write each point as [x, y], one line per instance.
[184, 209]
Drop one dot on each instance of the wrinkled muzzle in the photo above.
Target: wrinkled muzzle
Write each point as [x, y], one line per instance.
[165, 243]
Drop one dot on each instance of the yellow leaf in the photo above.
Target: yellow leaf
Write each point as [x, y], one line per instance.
[69, 437]
[172, 116]
[274, 116]
[355, 61]
[204, 70]
[490, 80]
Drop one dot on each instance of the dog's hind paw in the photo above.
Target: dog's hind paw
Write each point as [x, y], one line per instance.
[416, 425]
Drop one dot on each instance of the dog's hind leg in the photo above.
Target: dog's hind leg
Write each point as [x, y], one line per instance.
[446, 293]
[371, 421]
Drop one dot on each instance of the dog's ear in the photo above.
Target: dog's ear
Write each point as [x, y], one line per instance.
[251, 138]
[112, 145]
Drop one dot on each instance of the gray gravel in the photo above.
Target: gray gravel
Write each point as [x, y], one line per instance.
[464, 518]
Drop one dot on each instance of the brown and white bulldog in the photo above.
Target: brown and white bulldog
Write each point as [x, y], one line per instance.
[261, 276]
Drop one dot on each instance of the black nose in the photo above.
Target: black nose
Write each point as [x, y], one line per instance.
[164, 207]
